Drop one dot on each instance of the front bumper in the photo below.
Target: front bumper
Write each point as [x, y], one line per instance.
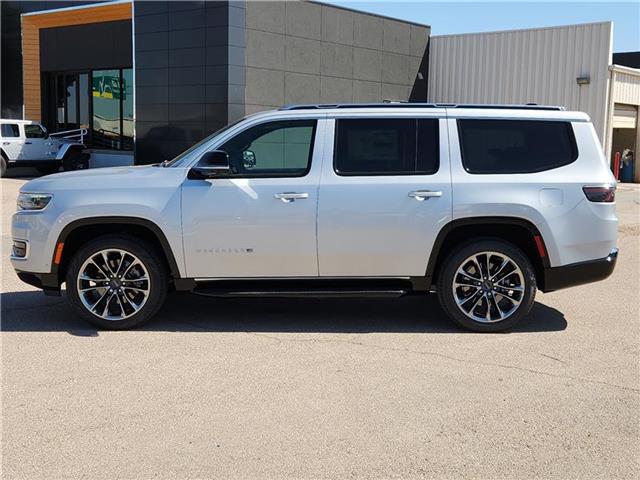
[48, 282]
[556, 278]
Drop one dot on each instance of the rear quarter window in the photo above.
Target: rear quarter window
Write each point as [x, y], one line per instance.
[9, 130]
[515, 146]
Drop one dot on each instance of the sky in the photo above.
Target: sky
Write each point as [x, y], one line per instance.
[478, 16]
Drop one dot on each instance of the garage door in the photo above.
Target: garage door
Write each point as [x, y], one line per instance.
[624, 116]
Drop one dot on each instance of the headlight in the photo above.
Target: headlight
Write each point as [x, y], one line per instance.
[33, 201]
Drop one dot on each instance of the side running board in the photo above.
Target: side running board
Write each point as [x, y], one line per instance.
[297, 293]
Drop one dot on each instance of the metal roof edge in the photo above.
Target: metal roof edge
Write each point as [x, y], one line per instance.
[624, 69]
[76, 7]
[518, 30]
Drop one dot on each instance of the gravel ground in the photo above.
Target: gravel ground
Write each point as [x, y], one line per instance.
[325, 388]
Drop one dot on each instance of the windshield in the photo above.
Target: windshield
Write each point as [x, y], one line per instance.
[178, 160]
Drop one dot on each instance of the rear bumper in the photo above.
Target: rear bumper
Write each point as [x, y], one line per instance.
[556, 278]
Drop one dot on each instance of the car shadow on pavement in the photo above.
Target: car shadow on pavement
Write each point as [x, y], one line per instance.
[33, 312]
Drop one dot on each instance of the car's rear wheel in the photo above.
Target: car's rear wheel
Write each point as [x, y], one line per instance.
[3, 166]
[487, 286]
[74, 160]
[48, 170]
[116, 282]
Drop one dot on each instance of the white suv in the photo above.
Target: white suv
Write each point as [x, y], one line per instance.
[28, 144]
[482, 204]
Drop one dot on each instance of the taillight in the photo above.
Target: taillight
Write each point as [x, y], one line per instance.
[602, 194]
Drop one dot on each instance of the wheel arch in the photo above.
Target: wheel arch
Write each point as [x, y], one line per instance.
[522, 233]
[80, 231]
[67, 148]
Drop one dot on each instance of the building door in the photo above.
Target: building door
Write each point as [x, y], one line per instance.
[66, 101]
[624, 137]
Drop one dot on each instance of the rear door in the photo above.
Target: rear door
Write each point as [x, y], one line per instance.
[385, 192]
[12, 141]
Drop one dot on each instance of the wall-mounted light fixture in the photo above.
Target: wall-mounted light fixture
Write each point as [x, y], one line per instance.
[583, 80]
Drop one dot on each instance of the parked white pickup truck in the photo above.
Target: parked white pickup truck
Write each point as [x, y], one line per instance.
[24, 143]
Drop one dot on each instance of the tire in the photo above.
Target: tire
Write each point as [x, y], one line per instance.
[147, 295]
[3, 166]
[74, 160]
[48, 170]
[463, 267]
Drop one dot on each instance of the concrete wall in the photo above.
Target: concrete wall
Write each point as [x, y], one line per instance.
[519, 66]
[306, 52]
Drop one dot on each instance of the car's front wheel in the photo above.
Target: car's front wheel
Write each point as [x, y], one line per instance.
[487, 286]
[116, 282]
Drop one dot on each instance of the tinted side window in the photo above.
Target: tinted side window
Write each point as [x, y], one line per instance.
[10, 130]
[515, 146]
[33, 131]
[386, 146]
[275, 149]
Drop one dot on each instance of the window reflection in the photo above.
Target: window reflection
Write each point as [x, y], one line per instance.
[106, 93]
[127, 108]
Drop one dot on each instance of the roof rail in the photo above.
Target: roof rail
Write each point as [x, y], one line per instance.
[316, 106]
[503, 106]
[312, 106]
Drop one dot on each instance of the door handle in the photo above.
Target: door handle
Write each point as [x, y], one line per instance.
[27, 143]
[6, 143]
[422, 195]
[288, 197]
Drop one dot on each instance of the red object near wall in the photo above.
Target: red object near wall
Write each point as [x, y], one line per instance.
[616, 165]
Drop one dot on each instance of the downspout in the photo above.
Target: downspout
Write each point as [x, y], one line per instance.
[608, 130]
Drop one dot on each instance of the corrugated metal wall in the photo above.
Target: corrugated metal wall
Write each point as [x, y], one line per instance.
[520, 66]
[626, 88]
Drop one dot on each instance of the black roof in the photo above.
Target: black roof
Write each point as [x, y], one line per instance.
[627, 59]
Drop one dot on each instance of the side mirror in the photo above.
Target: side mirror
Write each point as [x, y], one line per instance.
[211, 164]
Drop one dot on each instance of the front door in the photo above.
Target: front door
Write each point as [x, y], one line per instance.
[385, 192]
[260, 220]
[35, 144]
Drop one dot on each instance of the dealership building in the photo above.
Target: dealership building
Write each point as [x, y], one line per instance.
[147, 79]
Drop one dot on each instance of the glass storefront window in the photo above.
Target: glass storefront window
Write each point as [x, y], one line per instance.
[107, 113]
[84, 100]
[71, 94]
[101, 101]
[60, 94]
[127, 108]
